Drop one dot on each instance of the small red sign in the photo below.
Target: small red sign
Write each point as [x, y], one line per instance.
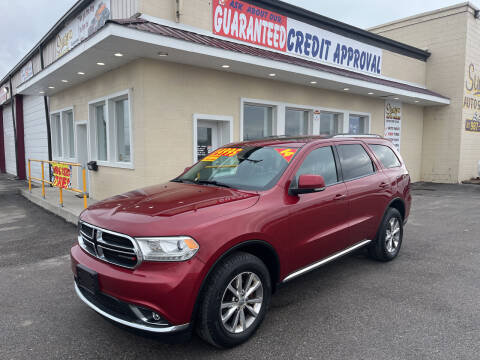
[287, 153]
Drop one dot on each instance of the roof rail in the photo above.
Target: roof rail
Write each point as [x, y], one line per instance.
[358, 135]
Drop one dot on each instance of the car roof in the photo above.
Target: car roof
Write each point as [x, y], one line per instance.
[299, 141]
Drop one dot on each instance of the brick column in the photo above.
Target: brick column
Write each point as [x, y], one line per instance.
[2, 145]
[20, 137]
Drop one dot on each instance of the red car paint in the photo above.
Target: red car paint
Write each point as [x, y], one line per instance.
[301, 229]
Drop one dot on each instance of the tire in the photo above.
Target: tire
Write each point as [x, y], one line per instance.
[384, 247]
[252, 273]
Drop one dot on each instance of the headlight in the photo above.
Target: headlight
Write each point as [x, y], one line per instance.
[176, 248]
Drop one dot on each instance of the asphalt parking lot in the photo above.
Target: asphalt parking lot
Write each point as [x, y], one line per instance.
[423, 305]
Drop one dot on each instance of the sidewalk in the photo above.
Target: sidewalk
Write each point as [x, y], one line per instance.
[72, 205]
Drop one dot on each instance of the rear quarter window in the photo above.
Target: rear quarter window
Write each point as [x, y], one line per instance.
[386, 156]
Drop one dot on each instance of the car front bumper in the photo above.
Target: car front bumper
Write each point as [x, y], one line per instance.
[168, 289]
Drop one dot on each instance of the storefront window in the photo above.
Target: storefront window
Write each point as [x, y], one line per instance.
[101, 126]
[56, 135]
[122, 124]
[63, 135]
[111, 131]
[358, 124]
[257, 121]
[330, 123]
[67, 132]
[296, 122]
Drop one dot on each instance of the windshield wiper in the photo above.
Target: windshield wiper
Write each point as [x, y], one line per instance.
[211, 182]
[254, 161]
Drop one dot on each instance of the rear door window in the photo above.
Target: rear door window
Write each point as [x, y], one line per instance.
[355, 161]
[386, 156]
[320, 162]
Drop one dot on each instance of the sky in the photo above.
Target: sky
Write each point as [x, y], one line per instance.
[24, 22]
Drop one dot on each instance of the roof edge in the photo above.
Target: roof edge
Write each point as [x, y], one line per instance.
[342, 28]
[423, 14]
[72, 12]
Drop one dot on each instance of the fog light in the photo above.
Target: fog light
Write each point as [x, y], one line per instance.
[148, 316]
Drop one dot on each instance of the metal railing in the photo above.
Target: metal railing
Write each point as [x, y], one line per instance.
[52, 183]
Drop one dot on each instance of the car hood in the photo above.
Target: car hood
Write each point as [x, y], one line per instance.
[172, 207]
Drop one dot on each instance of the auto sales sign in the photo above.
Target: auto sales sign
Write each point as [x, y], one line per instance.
[248, 23]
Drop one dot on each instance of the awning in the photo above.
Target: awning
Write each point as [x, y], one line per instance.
[141, 38]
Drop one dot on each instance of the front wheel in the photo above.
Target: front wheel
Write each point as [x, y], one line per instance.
[235, 300]
[389, 238]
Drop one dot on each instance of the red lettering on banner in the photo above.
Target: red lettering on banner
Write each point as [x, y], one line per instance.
[241, 21]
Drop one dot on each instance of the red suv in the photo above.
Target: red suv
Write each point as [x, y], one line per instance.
[209, 247]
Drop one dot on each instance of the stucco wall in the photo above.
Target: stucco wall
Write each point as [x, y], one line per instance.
[108, 180]
[197, 13]
[444, 35]
[167, 95]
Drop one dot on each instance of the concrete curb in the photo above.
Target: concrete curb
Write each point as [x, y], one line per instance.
[55, 209]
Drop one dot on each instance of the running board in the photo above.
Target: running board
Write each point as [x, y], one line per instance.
[326, 260]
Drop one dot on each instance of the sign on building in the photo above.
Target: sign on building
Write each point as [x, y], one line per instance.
[393, 122]
[471, 101]
[249, 23]
[26, 72]
[91, 19]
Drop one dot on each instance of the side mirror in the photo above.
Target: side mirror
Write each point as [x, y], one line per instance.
[308, 184]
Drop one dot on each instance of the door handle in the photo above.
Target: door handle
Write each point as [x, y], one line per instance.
[383, 184]
[339, 197]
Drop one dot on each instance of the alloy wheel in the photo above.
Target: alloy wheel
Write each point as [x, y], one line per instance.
[241, 302]
[392, 236]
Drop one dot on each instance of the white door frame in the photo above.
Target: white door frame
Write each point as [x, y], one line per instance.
[196, 117]
[77, 152]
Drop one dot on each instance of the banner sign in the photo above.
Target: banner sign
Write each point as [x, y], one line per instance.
[393, 122]
[3, 95]
[471, 100]
[92, 18]
[26, 72]
[61, 175]
[249, 23]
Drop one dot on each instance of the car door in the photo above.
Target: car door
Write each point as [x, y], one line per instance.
[368, 190]
[318, 221]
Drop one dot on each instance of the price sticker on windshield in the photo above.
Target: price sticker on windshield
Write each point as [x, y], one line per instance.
[228, 152]
[286, 153]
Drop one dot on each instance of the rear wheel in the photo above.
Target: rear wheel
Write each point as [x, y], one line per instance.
[389, 237]
[235, 300]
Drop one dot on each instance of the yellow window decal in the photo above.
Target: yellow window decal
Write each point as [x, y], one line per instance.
[222, 152]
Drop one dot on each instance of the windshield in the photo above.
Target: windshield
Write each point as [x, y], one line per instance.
[248, 168]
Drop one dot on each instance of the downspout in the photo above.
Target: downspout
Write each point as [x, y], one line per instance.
[47, 118]
[12, 100]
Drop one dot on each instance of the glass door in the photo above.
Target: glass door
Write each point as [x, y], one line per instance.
[207, 138]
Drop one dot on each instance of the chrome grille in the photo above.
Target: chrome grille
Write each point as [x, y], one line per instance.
[109, 246]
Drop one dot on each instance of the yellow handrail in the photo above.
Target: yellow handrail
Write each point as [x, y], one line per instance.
[43, 181]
